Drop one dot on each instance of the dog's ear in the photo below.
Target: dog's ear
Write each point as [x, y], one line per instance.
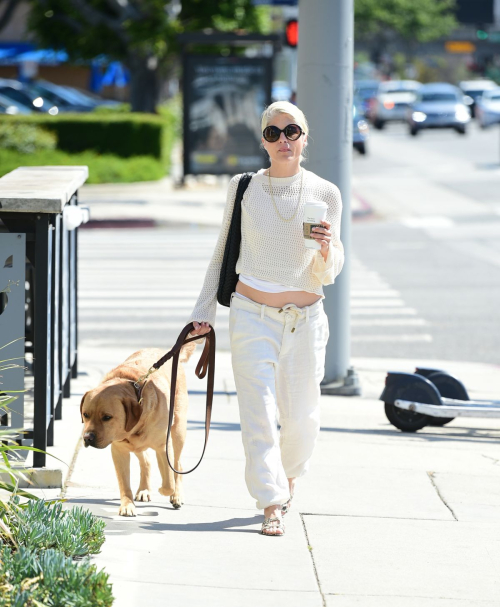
[81, 406]
[133, 412]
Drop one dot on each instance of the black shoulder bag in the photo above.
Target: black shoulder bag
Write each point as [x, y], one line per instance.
[228, 277]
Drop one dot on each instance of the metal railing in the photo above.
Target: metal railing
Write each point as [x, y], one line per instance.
[39, 217]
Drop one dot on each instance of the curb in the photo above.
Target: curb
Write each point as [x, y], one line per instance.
[366, 208]
[37, 478]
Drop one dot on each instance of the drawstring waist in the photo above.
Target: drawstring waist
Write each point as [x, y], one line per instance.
[283, 314]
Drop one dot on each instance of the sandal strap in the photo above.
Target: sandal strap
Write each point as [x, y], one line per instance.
[269, 524]
[286, 506]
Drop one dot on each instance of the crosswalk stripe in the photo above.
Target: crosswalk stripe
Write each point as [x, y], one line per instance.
[140, 288]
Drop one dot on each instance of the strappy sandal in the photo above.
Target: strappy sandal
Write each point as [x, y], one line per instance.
[270, 524]
[285, 508]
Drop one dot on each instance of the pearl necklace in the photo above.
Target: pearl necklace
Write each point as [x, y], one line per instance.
[274, 203]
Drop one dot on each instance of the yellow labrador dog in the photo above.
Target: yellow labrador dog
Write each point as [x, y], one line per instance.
[113, 416]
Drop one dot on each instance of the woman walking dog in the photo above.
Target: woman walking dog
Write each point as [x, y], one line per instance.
[278, 328]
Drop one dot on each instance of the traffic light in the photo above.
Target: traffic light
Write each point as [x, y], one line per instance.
[482, 35]
[292, 33]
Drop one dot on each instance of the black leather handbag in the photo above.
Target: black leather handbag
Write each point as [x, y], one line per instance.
[228, 277]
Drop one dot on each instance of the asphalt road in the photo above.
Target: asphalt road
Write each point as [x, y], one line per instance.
[434, 242]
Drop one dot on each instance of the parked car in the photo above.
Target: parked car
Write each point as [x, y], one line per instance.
[366, 91]
[392, 101]
[488, 108]
[438, 105]
[359, 128]
[474, 89]
[9, 106]
[62, 97]
[22, 93]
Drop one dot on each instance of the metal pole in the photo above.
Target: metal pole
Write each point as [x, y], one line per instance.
[42, 337]
[324, 93]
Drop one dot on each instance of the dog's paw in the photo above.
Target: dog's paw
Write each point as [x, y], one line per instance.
[176, 500]
[143, 496]
[166, 491]
[127, 510]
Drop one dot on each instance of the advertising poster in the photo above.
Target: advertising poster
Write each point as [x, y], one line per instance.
[224, 98]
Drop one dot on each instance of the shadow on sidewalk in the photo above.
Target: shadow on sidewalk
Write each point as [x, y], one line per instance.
[449, 433]
[129, 525]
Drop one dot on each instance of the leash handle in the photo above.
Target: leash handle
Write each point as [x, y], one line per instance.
[206, 363]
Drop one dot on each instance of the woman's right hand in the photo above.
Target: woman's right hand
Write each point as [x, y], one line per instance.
[200, 328]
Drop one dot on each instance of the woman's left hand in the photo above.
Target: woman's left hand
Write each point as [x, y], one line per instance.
[323, 236]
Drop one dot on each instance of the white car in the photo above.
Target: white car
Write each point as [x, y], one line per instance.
[488, 108]
[394, 97]
[474, 89]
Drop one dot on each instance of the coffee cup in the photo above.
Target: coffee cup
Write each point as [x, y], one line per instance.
[314, 214]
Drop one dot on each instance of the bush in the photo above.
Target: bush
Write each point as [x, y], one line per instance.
[104, 168]
[25, 138]
[30, 579]
[123, 135]
[41, 526]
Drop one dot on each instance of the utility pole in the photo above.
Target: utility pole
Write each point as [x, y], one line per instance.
[324, 94]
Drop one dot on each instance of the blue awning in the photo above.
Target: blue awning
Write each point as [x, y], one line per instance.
[43, 57]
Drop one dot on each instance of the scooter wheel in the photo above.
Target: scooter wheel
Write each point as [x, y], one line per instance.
[408, 421]
[446, 386]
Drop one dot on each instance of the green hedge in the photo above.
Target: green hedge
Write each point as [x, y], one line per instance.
[104, 168]
[124, 135]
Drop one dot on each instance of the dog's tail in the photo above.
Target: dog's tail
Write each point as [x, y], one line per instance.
[187, 351]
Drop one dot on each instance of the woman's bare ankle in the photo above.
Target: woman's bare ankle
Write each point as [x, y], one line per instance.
[273, 511]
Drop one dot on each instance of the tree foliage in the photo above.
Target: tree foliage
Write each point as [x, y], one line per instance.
[141, 33]
[7, 8]
[414, 21]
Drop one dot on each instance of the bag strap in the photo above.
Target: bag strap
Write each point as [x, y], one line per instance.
[206, 363]
[235, 227]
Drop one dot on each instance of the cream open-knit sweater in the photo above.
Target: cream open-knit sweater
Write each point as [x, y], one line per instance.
[273, 249]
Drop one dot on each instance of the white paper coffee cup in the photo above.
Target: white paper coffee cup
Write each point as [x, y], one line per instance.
[314, 213]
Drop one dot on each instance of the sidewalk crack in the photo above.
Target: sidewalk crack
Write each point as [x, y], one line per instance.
[310, 548]
[431, 476]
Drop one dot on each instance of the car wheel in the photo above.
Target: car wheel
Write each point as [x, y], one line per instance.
[461, 130]
[361, 147]
[378, 124]
[413, 131]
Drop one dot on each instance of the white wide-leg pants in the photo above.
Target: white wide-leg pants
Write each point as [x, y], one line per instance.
[278, 358]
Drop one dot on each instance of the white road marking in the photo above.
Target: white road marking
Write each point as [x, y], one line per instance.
[377, 303]
[384, 311]
[430, 221]
[392, 338]
[390, 322]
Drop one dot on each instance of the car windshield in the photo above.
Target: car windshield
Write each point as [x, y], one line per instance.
[474, 94]
[398, 90]
[438, 97]
[43, 92]
[16, 95]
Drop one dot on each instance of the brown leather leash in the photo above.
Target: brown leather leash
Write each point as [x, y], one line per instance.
[206, 363]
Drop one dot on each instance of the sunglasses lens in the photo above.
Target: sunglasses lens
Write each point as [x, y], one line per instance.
[293, 132]
[271, 133]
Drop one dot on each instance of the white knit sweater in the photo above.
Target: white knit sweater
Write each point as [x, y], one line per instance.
[271, 248]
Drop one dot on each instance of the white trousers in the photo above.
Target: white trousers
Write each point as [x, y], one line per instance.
[278, 358]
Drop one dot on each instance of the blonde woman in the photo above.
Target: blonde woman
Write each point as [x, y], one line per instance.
[278, 328]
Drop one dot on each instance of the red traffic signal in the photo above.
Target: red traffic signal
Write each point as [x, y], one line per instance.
[292, 32]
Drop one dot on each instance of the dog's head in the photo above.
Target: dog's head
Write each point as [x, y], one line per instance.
[109, 413]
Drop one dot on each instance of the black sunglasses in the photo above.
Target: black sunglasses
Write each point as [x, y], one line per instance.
[272, 133]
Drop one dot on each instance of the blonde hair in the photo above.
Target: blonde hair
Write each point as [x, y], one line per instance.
[284, 107]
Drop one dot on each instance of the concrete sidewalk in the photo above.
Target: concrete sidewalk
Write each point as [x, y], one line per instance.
[383, 518]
